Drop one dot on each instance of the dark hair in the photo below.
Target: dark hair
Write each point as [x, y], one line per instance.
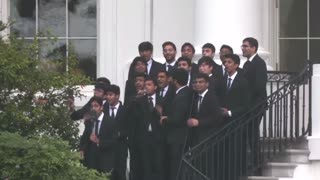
[165, 72]
[227, 47]
[252, 41]
[235, 58]
[114, 88]
[148, 78]
[97, 99]
[101, 86]
[207, 60]
[186, 45]
[186, 59]
[138, 59]
[203, 76]
[145, 46]
[170, 44]
[210, 46]
[181, 76]
[103, 80]
[139, 75]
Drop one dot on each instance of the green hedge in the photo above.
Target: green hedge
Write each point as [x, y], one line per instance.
[41, 158]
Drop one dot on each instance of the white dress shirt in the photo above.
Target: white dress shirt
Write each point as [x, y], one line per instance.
[251, 58]
[116, 107]
[232, 78]
[180, 89]
[100, 118]
[149, 64]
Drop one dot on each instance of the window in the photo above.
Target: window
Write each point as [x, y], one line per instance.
[299, 33]
[73, 22]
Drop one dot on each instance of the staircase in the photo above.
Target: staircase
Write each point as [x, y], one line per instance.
[283, 165]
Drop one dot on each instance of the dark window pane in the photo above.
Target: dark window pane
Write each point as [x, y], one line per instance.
[315, 50]
[52, 17]
[314, 18]
[23, 12]
[293, 55]
[86, 53]
[293, 18]
[82, 18]
[51, 50]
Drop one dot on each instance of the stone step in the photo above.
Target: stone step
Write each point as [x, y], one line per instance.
[262, 178]
[279, 169]
[298, 156]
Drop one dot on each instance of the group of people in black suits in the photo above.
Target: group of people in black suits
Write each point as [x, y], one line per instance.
[168, 108]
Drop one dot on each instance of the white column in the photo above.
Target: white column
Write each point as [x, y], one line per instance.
[314, 140]
[107, 39]
[229, 22]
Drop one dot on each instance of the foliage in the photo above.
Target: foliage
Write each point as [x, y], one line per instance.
[40, 158]
[34, 90]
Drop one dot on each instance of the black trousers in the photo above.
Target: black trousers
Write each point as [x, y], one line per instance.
[174, 158]
[153, 157]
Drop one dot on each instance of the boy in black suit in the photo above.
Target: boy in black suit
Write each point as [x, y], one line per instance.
[99, 139]
[235, 103]
[169, 51]
[185, 63]
[176, 122]
[149, 133]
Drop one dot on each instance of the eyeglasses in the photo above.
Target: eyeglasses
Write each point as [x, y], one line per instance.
[244, 46]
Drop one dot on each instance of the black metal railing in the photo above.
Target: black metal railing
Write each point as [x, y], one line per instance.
[239, 148]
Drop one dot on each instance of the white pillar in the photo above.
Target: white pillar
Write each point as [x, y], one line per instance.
[314, 140]
[229, 22]
[107, 39]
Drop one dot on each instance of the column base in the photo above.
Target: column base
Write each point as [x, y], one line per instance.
[314, 147]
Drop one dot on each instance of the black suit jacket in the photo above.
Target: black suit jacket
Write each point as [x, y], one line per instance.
[179, 113]
[209, 116]
[256, 75]
[167, 99]
[237, 98]
[144, 117]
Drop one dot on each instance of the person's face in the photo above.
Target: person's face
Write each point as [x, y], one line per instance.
[150, 87]
[187, 52]
[98, 93]
[200, 85]
[247, 50]
[95, 106]
[231, 67]
[184, 65]
[206, 69]
[140, 67]
[207, 52]
[139, 83]
[169, 53]
[146, 54]
[163, 80]
[112, 98]
[223, 52]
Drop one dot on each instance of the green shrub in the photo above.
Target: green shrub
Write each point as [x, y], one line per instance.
[40, 158]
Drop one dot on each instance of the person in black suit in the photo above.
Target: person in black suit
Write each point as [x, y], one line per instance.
[205, 120]
[206, 116]
[176, 122]
[165, 90]
[139, 66]
[150, 133]
[255, 71]
[206, 66]
[185, 63]
[117, 112]
[83, 113]
[208, 50]
[99, 139]
[188, 50]
[224, 50]
[169, 51]
[145, 52]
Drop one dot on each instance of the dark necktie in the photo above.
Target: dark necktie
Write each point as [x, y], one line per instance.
[112, 112]
[96, 127]
[150, 103]
[199, 102]
[162, 92]
[169, 68]
[229, 83]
